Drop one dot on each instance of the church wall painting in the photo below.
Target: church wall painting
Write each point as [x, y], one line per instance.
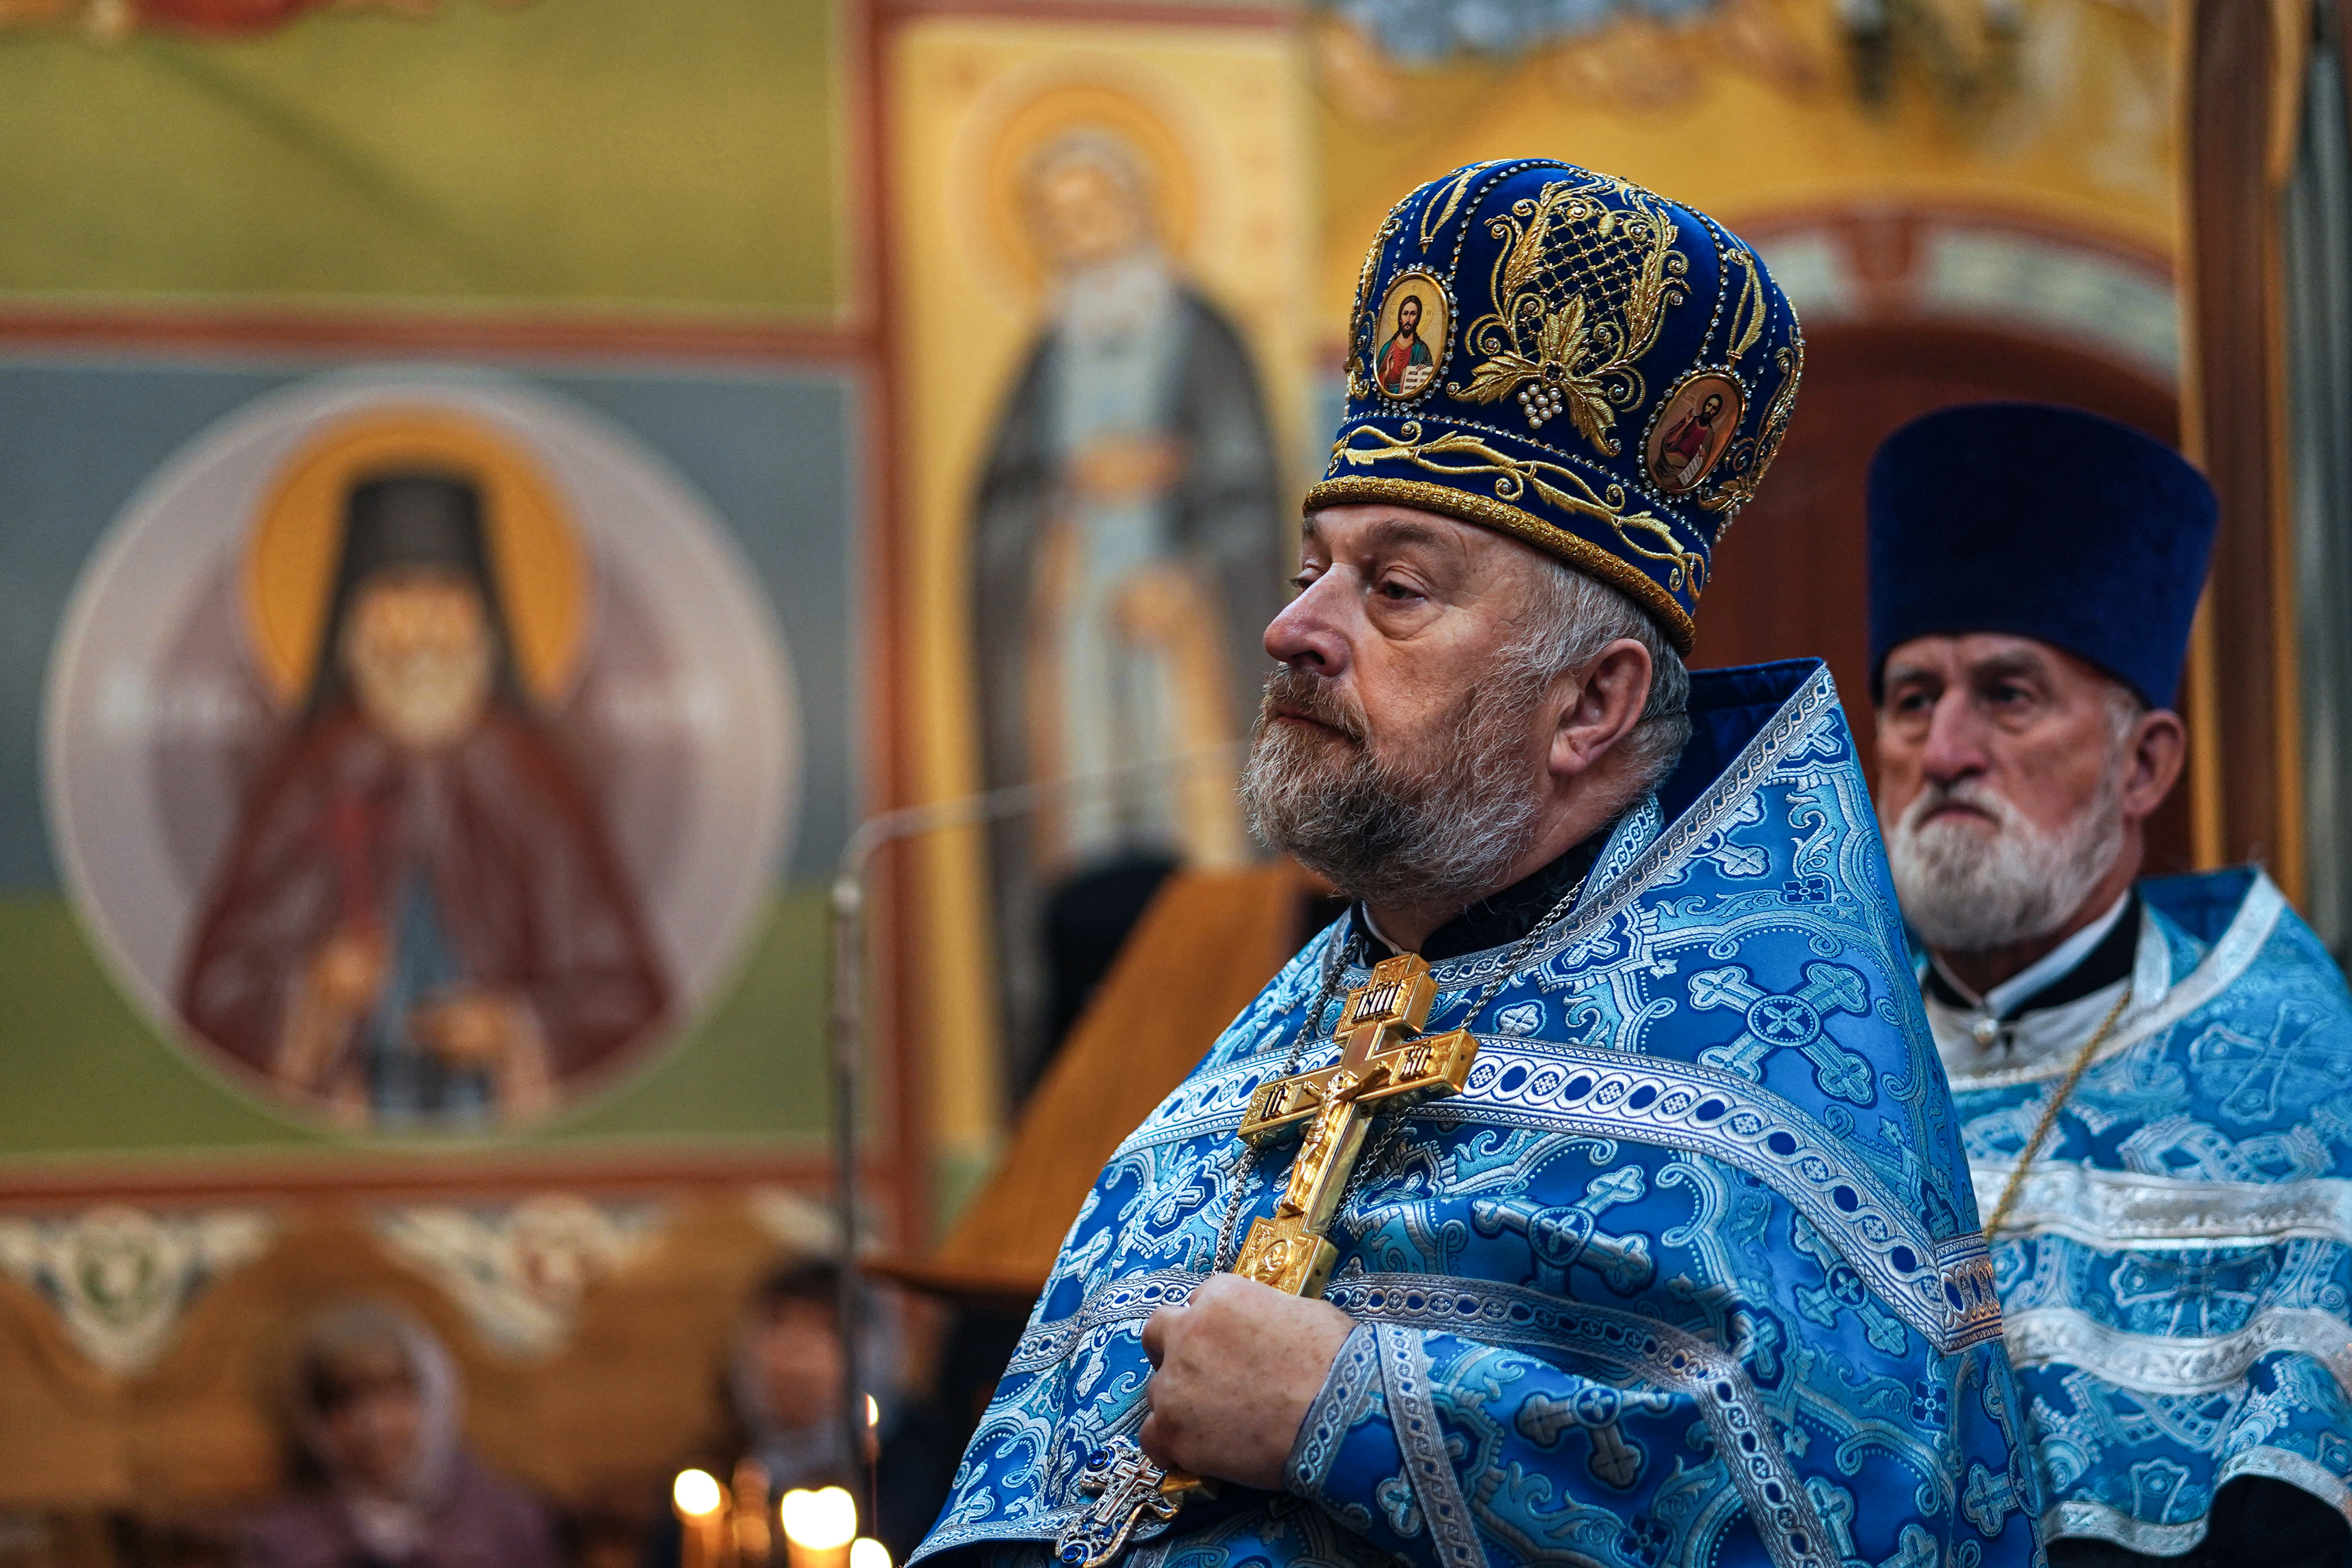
[641, 165]
[644, 646]
[1103, 375]
[417, 754]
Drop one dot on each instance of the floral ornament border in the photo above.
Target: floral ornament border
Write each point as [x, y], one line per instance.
[121, 1280]
[1581, 362]
[1555, 483]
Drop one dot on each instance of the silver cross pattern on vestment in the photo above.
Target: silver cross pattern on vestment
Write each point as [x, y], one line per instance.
[1561, 1237]
[1794, 1020]
[1384, 1067]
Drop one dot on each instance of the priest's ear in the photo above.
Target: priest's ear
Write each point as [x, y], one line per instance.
[2151, 747]
[1599, 706]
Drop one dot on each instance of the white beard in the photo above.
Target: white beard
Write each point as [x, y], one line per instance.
[1115, 299]
[1966, 890]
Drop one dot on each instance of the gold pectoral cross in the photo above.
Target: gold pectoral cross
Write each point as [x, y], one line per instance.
[1381, 1069]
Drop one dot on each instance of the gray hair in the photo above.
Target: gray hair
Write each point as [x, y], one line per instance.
[1570, 618]
[2125, 707]
[1087, 147]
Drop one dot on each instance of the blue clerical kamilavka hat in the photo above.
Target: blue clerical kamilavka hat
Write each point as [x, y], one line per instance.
[2041, 522]
[1573, 360]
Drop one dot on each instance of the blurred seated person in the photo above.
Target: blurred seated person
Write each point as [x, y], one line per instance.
[783, 1393]
[375, 1407]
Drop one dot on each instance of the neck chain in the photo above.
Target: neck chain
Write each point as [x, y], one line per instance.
[2009, 1194]
[1343, 953]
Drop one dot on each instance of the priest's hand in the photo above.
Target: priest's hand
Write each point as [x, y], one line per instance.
[1236, 1367]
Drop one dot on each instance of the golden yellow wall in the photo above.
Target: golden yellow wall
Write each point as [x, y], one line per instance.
[1231, 102]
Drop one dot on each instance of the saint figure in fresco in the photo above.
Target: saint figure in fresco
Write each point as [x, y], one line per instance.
[1683, 454]
[420, 920]
[1405, 361]
[1127, 552]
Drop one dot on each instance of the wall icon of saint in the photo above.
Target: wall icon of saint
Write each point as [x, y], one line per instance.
[420, 919]
[419, 752]
[1127, 556]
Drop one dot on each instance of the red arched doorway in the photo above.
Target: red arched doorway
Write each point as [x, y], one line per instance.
[1788, 578]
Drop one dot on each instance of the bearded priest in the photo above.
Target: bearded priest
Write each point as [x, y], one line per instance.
[2154, 1077]
[1596, 1196]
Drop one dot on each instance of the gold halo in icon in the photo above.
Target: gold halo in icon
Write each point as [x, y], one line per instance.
[535, 550]
[1076, 110]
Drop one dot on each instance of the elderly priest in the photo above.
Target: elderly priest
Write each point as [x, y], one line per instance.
[1589, 1193]
[2154, 1078]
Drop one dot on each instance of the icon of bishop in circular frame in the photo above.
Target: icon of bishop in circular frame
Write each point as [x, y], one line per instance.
[418, 753]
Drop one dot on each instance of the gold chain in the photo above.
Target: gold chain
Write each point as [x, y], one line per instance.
[2050, 1114]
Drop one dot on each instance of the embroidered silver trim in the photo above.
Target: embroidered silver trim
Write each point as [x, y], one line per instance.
[2161, 1363]
[1630, 1346]
[2252, 927]
[1413, 1417]
[1791, 725]
[2120, 1210]
[1942, 1289]
[1634, 833]
[1044, 1525]
[2082, 1517]
[1338, 1404]
[1124, 1300]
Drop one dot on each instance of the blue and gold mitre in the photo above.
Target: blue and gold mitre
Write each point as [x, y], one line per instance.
[1574, 361]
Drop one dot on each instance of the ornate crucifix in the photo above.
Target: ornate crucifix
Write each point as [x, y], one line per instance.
[1381, 1069]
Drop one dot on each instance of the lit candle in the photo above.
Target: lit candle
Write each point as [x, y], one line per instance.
[818, 1527]
[702, 1505]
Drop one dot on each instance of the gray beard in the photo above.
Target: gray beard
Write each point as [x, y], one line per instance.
[1115, 299]
[1431, 822]
[1966, 892]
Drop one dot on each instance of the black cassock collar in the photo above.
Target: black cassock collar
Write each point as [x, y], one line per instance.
[2102, 967]
[1499, 918]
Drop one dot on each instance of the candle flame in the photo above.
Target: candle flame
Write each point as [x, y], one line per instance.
[696, 1493]
[868, 1553]
[822, 1520]
[873, 1412]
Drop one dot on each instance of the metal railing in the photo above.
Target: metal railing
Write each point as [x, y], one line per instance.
[848, 984]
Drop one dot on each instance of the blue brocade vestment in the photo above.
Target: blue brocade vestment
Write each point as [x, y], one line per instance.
[1688, 1274]
[2177, 1267]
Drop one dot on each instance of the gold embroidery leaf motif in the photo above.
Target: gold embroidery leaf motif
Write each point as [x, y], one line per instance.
[1457, 456]
[1579, 290]
[1359, 386]
[1747, 315]
[1441, 208]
